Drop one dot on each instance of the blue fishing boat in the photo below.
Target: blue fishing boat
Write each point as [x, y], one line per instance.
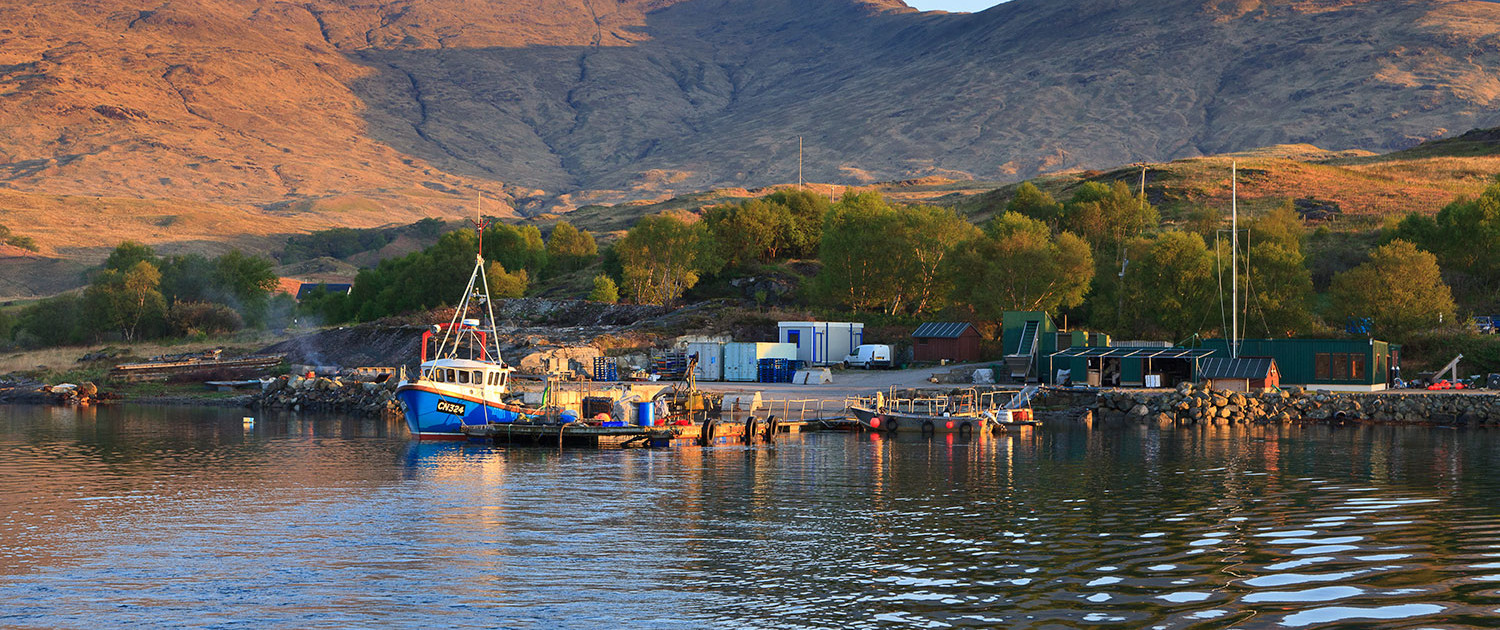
[465, 380]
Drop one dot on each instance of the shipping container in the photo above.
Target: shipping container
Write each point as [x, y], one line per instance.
[742, 360]
[710, 360]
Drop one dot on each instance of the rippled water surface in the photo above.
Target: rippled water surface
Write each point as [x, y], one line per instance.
[188, 518]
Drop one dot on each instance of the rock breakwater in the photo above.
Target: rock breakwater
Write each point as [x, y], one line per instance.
[328, 394]
[1189, 404]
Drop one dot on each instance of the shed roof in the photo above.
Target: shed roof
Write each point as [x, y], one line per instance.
[1134, 353]
[942, 330]
[308, 288]
[1243, 367]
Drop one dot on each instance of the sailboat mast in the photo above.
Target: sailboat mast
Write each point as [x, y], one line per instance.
[1234, 262]
[799, 162]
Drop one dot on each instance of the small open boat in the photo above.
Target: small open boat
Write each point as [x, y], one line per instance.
[965, 414]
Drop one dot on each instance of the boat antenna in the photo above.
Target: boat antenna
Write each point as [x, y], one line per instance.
[479, 225]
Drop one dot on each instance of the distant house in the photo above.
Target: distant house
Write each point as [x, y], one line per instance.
[289, 286]
[953, 341]
[1244, 374]
[308, 288]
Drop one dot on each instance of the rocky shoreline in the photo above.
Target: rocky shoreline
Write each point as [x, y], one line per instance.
[1189, 405]
[321, 393]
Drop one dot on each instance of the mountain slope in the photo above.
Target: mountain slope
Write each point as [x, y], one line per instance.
[421, 106]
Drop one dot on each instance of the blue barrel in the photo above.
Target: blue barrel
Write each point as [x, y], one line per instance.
[645, 414]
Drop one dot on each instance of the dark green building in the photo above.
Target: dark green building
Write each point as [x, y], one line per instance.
[1350, 365]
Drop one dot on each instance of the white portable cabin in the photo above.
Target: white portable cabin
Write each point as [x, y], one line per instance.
[742, 360]
[710, 360]
[822, 343]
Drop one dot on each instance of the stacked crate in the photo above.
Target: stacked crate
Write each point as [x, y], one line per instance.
[606, 369]
[671, 366]
[777, 370]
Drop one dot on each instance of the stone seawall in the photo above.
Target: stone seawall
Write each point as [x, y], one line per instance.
[328, 394]
[1197, 405]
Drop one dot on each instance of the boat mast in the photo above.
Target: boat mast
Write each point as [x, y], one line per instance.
[1234, 265]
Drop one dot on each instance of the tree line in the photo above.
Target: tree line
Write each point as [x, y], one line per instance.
[1104, 257]
[139, 295]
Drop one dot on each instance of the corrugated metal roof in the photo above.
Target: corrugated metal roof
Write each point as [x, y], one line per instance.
[1243, 367]
[942, 330]
[307, 288]
[1134, 353]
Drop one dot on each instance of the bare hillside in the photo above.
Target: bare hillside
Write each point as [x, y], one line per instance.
[376, 111]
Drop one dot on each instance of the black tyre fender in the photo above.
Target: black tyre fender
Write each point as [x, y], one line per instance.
[928, 428]
[966, 430]
[773, 425]
[892, 424]
[751, 426]
[706, 434]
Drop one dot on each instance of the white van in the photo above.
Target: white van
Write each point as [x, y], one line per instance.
[870, 355]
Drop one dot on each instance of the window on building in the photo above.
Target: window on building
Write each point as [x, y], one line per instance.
[1340, 367]
[1357, 366]
[1322, 362]
[794, 336]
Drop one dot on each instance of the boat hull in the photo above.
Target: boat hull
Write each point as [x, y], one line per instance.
[432, 414]
[897, 422]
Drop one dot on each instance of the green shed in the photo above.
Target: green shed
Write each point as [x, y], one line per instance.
[1349, 365]
[1023, 334]
[1125, 366]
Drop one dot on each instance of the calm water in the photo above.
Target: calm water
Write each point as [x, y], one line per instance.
[186, 518]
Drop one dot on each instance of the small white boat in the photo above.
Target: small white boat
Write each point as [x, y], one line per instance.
[965, 414]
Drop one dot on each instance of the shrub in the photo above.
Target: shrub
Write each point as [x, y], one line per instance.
[188, 318]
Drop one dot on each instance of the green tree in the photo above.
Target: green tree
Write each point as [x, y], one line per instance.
[1278, 290]
[807, 210]
[879, 257]
[505, 284]
[1032, 202]
[1171, 288]
[1281, 226]
[54, 321]
[124, 301]
[24, 242]
[245, 282]
[569, 249]
[1203, 221]
[604, 290]
[127, 254]
[515, 247]
[188, 278]
[752, 231]
[1017, 266]
[1107, 216]
[1400, 289]
[662, 256]
[326, 308]
[7, 326]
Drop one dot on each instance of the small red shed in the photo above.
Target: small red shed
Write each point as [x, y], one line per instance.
[1245, 374]
[954, 341]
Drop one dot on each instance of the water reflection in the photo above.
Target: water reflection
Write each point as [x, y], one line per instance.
[190, 517]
